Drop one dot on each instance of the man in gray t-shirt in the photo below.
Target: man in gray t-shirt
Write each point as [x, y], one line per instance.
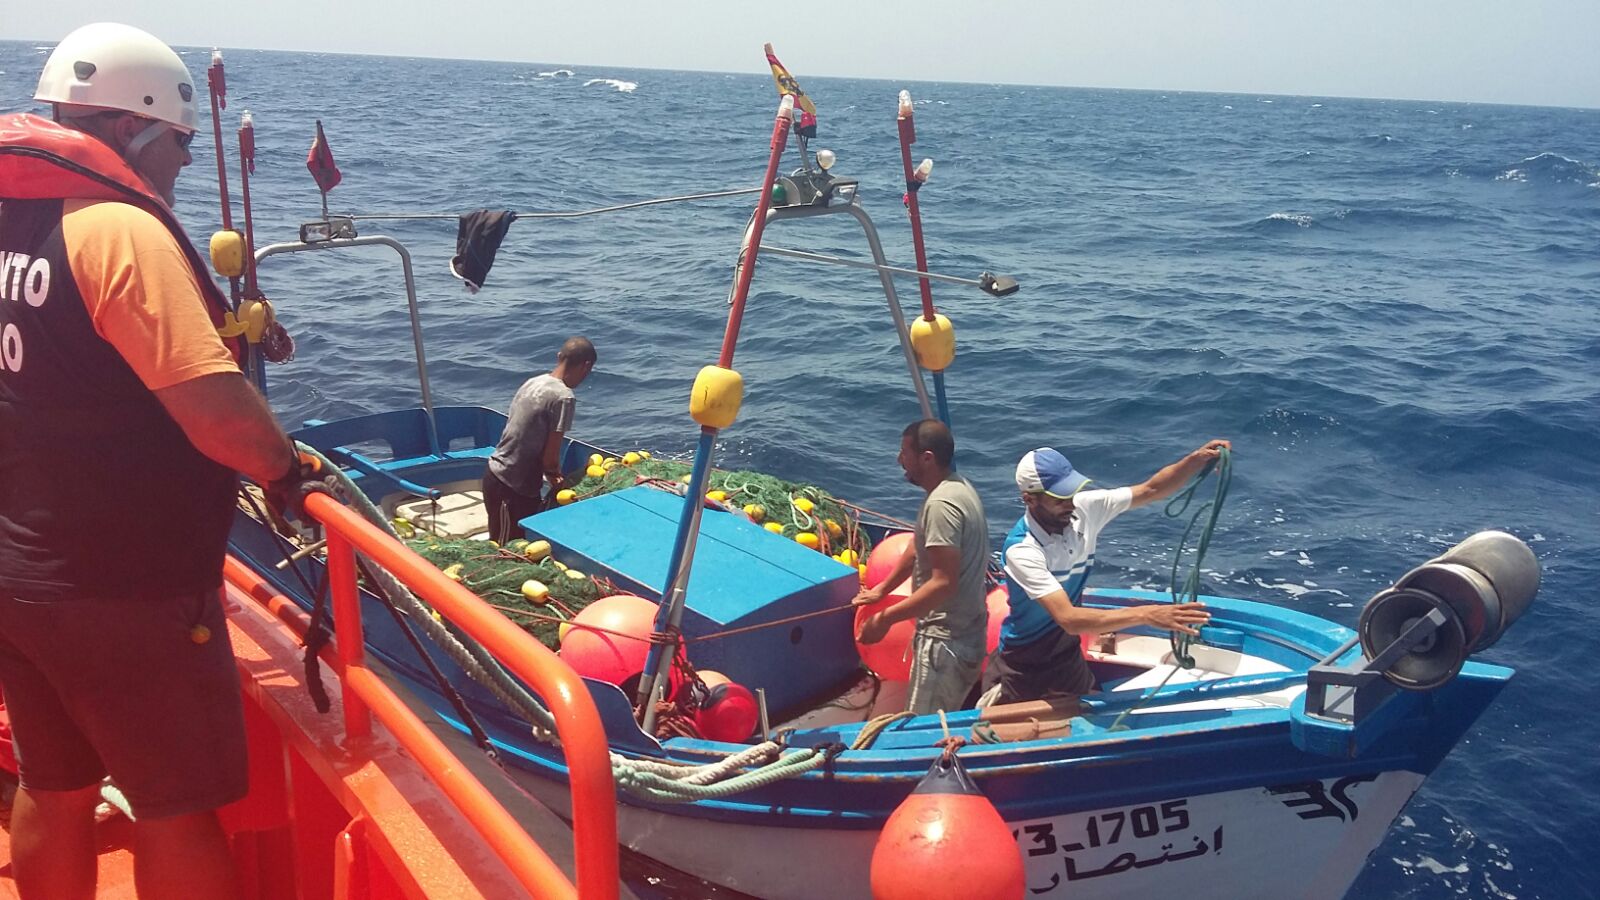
[947, 576]
[529, 451]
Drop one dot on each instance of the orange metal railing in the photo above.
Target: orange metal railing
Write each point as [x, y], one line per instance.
[583, 739]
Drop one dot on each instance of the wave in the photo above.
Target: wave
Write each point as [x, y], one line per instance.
[1285, 219]
[1350, 217]
[626, 87]
[1551, 168]
[556, 73]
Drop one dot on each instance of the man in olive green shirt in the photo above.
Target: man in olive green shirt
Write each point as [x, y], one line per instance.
[947, 569]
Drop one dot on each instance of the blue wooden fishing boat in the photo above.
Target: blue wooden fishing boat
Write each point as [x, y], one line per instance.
[1271, 766]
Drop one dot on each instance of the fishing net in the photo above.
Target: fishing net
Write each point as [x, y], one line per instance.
[498, 575]
[800, 512]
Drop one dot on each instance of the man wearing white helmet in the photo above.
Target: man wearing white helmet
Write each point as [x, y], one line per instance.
[1048, 557]
[125, 420]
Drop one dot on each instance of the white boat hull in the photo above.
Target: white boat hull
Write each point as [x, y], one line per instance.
[1306, 841]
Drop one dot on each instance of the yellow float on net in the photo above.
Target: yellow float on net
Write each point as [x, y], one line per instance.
[803, 504]
[630, 458]
[807, 539]
[536, 550]
[848, 557]
[834, 531]
[535, 592]
[755, 511]
[227, 253]
[596, 459]
[595, 471]
[565, 496]
[715, 398]
[934, 342]
[774, 527]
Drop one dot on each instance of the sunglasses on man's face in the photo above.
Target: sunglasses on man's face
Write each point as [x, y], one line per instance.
[184, 140]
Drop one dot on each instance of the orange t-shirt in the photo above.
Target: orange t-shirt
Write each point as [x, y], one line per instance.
[141, 293]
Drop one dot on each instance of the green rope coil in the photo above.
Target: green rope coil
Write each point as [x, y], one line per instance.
[1210, 510]
[661, 789]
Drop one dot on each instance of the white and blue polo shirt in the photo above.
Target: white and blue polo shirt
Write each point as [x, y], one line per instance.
[1038, 563]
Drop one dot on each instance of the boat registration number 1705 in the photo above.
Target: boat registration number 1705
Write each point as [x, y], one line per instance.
[1108, 842]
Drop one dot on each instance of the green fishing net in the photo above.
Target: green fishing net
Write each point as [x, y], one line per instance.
[498, 574]
[795, 509]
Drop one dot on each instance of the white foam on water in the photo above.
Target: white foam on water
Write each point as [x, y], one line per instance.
[626, 87]
[1497, 889]
[1304, 221]
[1290, 588]
[1439, 868]
[556, 73]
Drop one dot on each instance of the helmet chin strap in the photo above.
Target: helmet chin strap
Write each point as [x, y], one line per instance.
[143, 139]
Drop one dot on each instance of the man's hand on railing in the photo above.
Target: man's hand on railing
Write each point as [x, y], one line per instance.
[286, 494]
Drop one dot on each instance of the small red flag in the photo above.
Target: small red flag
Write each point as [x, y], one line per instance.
[320, 162]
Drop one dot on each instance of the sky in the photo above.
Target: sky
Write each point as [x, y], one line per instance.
[1537, 52]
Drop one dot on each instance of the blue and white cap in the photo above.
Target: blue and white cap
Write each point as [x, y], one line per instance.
[1045, 470]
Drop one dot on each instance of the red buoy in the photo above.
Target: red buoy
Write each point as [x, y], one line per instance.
[890, 657]
[607, 656]
[728, 713]
[946, 842]
[999, 603]
[881, 561]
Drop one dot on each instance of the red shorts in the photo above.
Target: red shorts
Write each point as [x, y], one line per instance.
[122, 688]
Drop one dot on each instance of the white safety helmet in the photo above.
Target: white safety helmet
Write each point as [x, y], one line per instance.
[106, 66]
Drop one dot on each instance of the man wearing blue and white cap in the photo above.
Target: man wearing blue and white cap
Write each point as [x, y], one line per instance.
[1048, 557]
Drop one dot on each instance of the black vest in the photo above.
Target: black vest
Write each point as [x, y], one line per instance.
[101, 494]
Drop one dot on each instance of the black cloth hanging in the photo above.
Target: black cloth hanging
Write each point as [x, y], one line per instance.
[477, 240]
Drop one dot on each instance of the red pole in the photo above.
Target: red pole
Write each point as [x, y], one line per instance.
[247, 164]
[217, 82]
[908, 136]
[747, 254]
